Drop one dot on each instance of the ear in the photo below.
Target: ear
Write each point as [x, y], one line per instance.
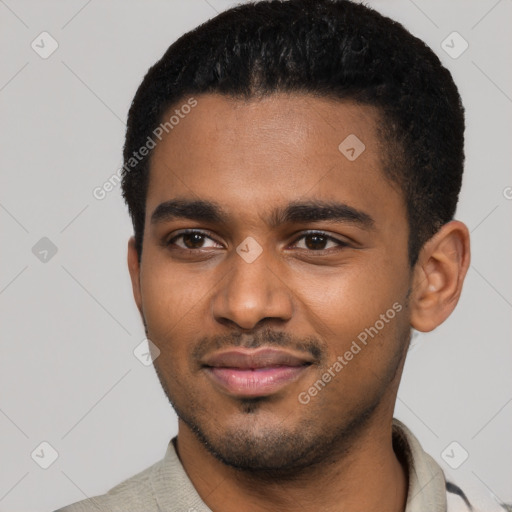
[134, 269]
[438, 276]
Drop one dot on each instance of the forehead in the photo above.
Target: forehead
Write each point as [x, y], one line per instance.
[263, 152]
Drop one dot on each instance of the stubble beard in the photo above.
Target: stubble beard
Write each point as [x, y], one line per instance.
[288, 451]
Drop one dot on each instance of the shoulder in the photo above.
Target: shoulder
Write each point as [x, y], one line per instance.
[134, 494]
[429, 486]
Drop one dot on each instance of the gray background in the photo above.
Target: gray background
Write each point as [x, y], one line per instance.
[68, 375]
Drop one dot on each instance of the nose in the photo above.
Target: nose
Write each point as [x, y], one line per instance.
[252, 292]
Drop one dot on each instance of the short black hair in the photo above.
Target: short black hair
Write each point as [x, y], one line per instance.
[335, 49]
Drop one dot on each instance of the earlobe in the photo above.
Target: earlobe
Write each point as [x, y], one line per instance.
[134, 269]
[439, 275]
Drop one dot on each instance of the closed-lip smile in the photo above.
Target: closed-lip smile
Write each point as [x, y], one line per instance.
[254, 372]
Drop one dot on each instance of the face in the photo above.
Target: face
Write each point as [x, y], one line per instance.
[274, 276]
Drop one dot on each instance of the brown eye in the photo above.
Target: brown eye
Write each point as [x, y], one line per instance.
[319, 242]
[191, 240]
[315, 242]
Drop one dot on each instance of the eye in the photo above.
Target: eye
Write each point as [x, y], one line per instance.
[193, 239]
[318, 241]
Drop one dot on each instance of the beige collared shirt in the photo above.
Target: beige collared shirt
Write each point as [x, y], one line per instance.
[165, 487]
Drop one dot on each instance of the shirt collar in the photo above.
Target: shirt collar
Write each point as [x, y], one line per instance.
[427, 485]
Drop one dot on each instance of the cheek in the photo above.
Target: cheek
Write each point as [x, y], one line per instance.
[172, 306]
[364, 324]
[344, 302]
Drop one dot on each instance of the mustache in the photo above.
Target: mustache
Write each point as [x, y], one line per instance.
[265, 338]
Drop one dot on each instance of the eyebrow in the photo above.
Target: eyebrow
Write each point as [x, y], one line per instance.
[295, 212]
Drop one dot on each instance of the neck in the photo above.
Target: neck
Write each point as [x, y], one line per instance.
[369, 476]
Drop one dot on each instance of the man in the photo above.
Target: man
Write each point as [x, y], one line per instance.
[292, 170]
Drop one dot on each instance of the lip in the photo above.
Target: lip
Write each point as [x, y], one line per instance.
[255, 373]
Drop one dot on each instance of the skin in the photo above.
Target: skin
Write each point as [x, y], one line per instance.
[335, 452]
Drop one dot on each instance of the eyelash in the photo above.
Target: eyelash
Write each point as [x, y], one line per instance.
[340, 243]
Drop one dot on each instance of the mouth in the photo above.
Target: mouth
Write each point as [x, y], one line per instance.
[255, 373]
